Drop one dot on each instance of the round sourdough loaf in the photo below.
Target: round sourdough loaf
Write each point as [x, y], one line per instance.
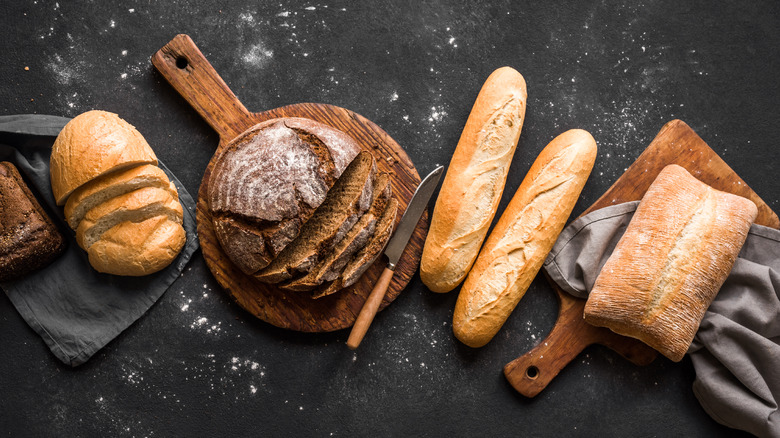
[92, 144]
[267, 183]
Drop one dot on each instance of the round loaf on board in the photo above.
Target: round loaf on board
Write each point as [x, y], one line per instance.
[92, 144]
[267, 183]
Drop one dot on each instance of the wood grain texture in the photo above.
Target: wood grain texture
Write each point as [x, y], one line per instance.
[188, 71]
[676, 143]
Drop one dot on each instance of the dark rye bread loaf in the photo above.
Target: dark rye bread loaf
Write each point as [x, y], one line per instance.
[349, 198]
[29, 240]
[330, 266]
[366, 256]
[269, 181]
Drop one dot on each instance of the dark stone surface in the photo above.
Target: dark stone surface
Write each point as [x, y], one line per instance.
[198, 365]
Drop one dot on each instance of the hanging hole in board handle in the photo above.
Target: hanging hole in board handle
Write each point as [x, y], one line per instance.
[181, 62]
[532, 372]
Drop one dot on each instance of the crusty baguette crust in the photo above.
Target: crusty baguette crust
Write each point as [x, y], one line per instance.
[474, 182]
[92, 144]
[111, 185]
[667, 268]
[524, 235]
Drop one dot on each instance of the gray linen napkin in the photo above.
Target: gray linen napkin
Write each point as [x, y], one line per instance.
[736, 352]
[75, 309]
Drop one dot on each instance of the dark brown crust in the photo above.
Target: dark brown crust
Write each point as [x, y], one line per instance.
[253, 242]
[343, 206]
[331, 265]
[29, 240]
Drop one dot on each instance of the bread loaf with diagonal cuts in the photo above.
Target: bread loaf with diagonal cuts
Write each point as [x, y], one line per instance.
[267, 183]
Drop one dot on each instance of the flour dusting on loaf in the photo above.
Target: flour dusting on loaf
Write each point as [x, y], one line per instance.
[269, 181]
[667, 268]
[474, 182]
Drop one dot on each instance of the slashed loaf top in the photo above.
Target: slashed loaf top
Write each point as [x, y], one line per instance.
[667, 268]
[279, 169]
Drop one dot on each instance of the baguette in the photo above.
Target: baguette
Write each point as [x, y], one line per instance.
[667, 268]
[524, 235]
[474, 182]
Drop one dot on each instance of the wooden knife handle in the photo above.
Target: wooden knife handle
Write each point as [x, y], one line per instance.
[369, 309]
[190, 73]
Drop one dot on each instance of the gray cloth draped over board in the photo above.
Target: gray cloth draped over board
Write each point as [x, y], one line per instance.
[736, 351]
[75, 309]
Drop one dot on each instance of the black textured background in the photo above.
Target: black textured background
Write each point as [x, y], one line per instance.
[198, 365]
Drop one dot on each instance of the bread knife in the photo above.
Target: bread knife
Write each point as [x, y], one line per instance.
[395, 246]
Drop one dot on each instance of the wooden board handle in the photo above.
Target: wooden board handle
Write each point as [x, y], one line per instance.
[530, 373]
[369, 309]
[190, 73]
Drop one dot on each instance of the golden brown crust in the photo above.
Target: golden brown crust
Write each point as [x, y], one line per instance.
[135, 206]
[111, 185]
[475, 181]
[522, 238]
[667, 268]
[92, 144]
[137, 248]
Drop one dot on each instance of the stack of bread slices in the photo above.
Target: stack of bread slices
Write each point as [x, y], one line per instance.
[297, 204]
[123, 207]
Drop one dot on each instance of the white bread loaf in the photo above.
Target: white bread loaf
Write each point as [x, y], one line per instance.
[92, 144]
[112, 185]
[136, 249]
[524, 235]
[125, 210]
[475, 180]
[135, 206]
[667, 268]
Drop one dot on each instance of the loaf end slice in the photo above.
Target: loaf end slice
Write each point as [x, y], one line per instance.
[667, 268]
[29, 240]
[137, 248]
[349, 198]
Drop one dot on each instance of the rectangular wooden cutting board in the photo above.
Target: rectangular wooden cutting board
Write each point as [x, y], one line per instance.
[676, 143]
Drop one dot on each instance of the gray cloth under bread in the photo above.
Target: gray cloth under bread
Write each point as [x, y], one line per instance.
[736, 352]
[75, 309]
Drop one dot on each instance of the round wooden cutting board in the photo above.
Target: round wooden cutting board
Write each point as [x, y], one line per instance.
[185, 67]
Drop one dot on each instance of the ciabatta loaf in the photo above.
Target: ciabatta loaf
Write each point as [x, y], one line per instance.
[523, 236]
[474, 182]
[667, 268]
[267, 183]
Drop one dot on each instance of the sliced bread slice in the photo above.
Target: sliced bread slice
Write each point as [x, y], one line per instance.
[345, 202]
[366, 256]
[135, 206]
[329, 268]
[112, 185]
[137, 248]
